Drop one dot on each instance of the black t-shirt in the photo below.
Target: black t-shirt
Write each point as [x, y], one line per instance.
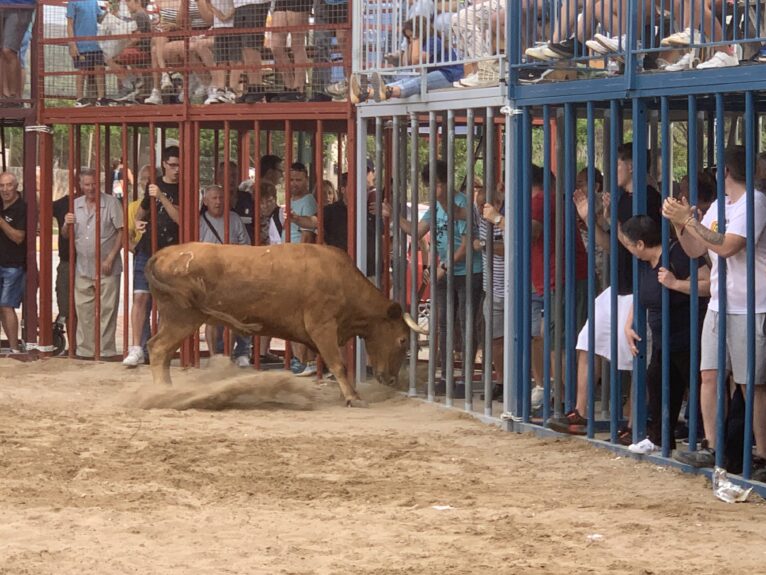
[60, 209]
[143, 26]
[650, 296]
[167, 229]
[624, 213]
[13, 255]
[243, 207]
[336, 231]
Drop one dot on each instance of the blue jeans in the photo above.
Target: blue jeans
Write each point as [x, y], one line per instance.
[12, 286]
[241, 344]
[411, 86]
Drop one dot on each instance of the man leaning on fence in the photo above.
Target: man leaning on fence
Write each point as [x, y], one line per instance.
[13, 256]
[89, 270]
[698, 237]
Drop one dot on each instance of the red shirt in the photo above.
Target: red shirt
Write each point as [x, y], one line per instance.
[538, 254]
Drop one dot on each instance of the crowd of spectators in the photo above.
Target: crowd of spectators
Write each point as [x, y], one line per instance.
[213, 51]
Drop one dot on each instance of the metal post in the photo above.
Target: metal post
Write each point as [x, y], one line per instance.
[470, 177]
[414, 128]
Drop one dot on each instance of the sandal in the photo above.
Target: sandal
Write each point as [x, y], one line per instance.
[625, 436]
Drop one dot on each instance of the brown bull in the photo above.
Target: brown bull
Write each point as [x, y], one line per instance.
[310, 294]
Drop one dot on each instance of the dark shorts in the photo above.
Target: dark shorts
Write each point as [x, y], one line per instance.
[12, 281]
[88, 60]
[140, 285]
[13, 24]
[248, 16]
[293, 5]
[134, 57]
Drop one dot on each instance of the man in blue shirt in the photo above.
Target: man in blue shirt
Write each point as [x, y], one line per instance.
[82, 18]
[15, 16]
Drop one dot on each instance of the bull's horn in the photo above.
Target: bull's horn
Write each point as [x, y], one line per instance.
[413, 325]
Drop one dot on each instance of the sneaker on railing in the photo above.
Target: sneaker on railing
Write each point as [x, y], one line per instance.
[83, 103]
[166, 83]
[487, 75]
[154, 98]
[612, 44]
[687, 62]
[682, 39]
[597, 48]
[338, 90]
[643, 447]
[760, 56]
[720, 59]
[552, 50]
[533, 74]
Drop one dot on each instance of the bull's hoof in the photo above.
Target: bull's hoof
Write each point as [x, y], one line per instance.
[356, 403]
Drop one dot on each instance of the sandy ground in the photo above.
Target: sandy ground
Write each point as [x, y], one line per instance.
[265, 474]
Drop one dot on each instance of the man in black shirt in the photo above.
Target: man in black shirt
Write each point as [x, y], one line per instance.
[336, 225]
[60, 209]
[165, 194]
[13, 256]
[574, 421]
[240, 200]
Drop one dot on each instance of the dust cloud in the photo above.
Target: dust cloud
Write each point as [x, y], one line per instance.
[223, 386]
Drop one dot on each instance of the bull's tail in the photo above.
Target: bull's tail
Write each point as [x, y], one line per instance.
[193, 297]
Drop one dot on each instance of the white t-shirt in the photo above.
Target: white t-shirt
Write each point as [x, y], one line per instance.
[225, 7]
[736, 265]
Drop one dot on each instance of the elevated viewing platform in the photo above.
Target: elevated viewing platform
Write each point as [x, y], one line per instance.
[174, 60]
[540, 51]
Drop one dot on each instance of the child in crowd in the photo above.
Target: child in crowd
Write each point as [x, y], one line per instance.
[82, 17]
[136, 51]
[425, 47]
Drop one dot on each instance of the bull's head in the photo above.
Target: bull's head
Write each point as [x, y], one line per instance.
[388, 341]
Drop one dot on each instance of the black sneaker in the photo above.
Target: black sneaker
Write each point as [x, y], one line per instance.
[83, 103]
[565, 49]
[533, 74]
[572, 423]
[703, 457]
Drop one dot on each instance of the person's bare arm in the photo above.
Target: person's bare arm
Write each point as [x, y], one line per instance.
[16, 236]
[305, 222]
[695, 238]
[582, 207]
[670, 281]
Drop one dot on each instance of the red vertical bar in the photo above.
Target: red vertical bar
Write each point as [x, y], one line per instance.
[74, 162]
[153, 210]
[257, 219]
[226, 207]
[288, 200]
[125, 240]
[30, 311]
[45, 140]
[319, 175]
[97, 320]
[193, 218]
[351, 203]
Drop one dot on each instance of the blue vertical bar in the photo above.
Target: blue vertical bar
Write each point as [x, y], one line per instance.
[694, 320]
[615, 394]
[513, 45]
[666, 183]
[514, 346]
[721, 386]
[570, 137]
[526, 278]
[546, 262]
[639, 313]
[432, 343]
[469, 181]
[750, 147]
[451, 327]
[591, 270]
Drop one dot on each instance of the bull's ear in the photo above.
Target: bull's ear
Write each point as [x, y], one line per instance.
[394, 311]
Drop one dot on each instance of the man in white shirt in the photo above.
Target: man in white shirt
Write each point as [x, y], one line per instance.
[697, 238]
[212, 231]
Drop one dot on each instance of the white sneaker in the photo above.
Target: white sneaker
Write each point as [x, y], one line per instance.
[719, 60]
[309, 370]
[616, 44]
[538, 395]
[166, 84]
[134, 358]
[213, 96]
[687, 62]
[541, 52]
[242, 361]
[682, 39]
[470, 78]
[154, 98]
[487, 75]
[227, 96]
[643, 447]
[596, 47]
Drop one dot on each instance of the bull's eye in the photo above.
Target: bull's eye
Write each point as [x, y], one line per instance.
[403, 341]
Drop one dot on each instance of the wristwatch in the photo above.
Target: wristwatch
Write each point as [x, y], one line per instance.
[443, 266]
[482, 243]
[497, 219]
